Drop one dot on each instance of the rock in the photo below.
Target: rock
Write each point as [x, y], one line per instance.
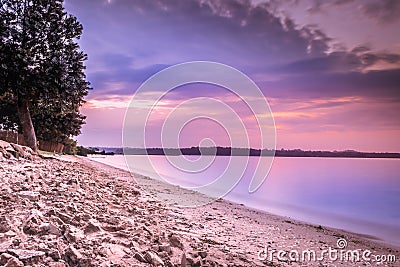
[183, 260]
[19, 151]
[49, 228]
[5, 245]
[73, 234]
[4, 258]
[27, 256]
[14, 262]
[32, 223]
[85, 262]
[175, 242]
[72, 181]
[12, 151]
[64, 217]
[57, 264]
[72, 255]
[93, 226]
[203, 253]
[196, 262]
[4, 144]
[187, 261]
[147, 229]
[163, 255]
[5, 225]
[165, 248]
[115, 252]
[54, 254]
[5, 236]
[152, 258]
[113, 228]
[10, 234]
[140, 257]
[30, 195]
[135, 191]
[24, 254]
[6, 154]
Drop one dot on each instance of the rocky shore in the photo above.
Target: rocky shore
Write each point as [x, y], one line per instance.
[71, 211]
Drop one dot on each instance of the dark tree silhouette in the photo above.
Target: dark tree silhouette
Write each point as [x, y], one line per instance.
[41, 66]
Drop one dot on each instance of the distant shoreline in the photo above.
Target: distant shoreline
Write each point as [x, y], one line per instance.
[227, 151]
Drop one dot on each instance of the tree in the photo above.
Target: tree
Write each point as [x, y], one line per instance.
[41, 65]
[57, 124]
[70, 147]
[8, 113]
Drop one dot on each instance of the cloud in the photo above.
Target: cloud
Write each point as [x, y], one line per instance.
[117, 74]
[139, 38]
[319, 6]
[144, 27]
[361, 49]
[358, 60]
[336, 114]
[130, 40]
[379, 84]
[383, 11]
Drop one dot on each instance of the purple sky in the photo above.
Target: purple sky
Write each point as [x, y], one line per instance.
[329, 69]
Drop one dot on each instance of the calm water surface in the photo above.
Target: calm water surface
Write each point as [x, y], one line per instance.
[359, 195]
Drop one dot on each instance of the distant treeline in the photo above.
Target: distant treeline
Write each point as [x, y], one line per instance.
[228, 151]
[83, 151]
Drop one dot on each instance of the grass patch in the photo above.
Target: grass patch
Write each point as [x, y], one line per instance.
[42, 152]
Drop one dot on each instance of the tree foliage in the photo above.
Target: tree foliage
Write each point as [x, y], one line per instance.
[41, 68]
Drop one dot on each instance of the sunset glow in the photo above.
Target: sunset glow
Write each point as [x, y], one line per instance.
[330, 85]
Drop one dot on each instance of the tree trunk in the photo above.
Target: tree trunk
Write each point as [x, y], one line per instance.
[26, 123]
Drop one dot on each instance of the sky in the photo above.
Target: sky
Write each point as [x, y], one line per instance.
[330, 70]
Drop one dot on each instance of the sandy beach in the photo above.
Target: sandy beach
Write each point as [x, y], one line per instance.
[70, 211]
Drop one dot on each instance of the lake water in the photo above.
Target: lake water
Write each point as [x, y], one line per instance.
[359, 195]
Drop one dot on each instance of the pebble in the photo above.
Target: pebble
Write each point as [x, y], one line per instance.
[152, 258]
[72, 255]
